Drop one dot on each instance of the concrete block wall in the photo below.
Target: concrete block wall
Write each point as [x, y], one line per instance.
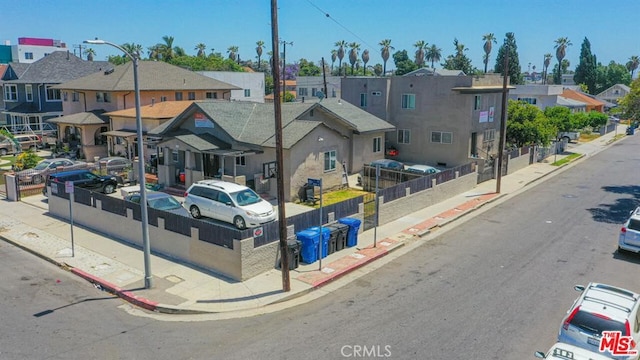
[518, 163]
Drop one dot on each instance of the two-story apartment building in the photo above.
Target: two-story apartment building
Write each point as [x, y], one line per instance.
[29, 91]
[308, 86]
[251, 84]
[440, 120]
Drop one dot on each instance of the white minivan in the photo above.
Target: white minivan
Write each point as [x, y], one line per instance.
[228, 202]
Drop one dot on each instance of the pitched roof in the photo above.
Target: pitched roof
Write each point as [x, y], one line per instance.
[161, 110]
[563, 101]
[95, 117]
[575, 95]
[624, 87]
[152, 75]
[55, 68]
[240, 120]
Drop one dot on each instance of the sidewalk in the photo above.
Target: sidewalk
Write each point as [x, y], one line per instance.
[178, 288]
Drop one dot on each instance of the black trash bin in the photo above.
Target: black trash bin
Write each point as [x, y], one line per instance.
[338, 240]
[293, 249]
[333, 238]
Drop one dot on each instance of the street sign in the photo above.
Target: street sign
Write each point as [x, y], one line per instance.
[314, 182]
[68, 187]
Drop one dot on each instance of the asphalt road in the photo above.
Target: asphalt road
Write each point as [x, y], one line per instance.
[493, 287]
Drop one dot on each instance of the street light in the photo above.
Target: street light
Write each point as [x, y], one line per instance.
[143, 194]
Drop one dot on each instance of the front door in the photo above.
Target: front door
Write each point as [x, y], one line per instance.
[211, 165]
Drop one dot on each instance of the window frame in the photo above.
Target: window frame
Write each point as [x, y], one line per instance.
[247, 93]
[28, 90]
[178, 96]
[191, 95]
[8, 92]
[330, 161]
[441, 137]
[405, 102]
[241, 161]
[404, 136]
[377, 144]
[477, 102]
[363, 99]
[47, 89]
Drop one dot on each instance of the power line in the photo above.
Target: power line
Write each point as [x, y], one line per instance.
[339, 24]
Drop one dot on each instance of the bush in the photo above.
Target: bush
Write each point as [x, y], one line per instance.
[27, 160]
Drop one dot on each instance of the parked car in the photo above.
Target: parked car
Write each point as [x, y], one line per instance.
[160, 201]
[569, 136]
[83, 179]
[388, 164]
[114, 164]
[228, 202]
[7, 146]
[28, 142]
[422, 169]
[562, 351]
[629, 238]
[45, 167]
[600, 308]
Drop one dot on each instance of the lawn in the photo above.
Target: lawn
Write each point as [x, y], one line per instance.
[567, 159]
[332, 197]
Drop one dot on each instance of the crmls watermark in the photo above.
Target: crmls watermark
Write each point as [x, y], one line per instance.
[366, 351]
[618, 344]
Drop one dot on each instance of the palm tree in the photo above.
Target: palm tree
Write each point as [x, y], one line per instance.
[460, 48]
[334, 56]
[489, 40]
[260, 44]
[561, 50]
[232, 50]
[353, 54]
[341, 45]
[154, 52]
[434, 54]
[166, 49]
[365, 60]
[201, 49]
[545, 70]
[385, 52]
[633, 63]
[178, 51]
[421, 46]
[90, 53]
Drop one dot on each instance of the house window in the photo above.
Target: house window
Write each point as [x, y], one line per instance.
[269, 170]
[329, 160]
[303, 91]
[441, 137]
[314, 92]
[28, 56]
[377, 144]
[376, 93]
[490, 134]
[11, 92]
[178, 96]
[247, 92]
[404, 136]
[531, 101]
[363, 100]
[174, 156]
[104, 97]
[163, 98]
[75, 96]
[408, 101]
[477, 101]
[241, 161]
[191, 95]
[53, 94]
[29, 90]
[211, 95]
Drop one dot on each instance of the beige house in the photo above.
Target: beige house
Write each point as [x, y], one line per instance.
[113, 89]
[236, 141]
[614, 93]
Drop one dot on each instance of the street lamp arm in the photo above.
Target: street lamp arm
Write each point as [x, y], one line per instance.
[103, 42]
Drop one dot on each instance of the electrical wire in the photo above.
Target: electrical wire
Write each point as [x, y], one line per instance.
[339, 24]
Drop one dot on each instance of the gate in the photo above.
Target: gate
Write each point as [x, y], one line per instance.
[369, 202]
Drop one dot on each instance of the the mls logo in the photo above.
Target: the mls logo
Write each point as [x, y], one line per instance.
[617, 344]
[258, 232]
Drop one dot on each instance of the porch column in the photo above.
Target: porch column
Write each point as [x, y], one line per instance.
[188, 160]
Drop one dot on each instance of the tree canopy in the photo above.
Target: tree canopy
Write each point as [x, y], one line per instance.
[403, 63]
[527, 124]
[587, 69]
[459, 61]
[515, 75]
[630, 104]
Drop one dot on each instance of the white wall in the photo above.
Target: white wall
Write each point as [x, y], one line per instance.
[254, 82]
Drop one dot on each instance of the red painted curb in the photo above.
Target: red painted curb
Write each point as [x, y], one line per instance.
[116, 290]
[341, 272]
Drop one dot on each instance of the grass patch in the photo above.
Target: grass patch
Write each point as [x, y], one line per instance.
[589, 137]
[567, 159]
[332, 197]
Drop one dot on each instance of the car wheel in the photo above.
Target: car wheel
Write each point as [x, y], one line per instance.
[36, 179]
[109, 189]
[3, 152]
[238, 221]
[195, 212]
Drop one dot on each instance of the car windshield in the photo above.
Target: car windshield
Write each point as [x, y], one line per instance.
[164, 203]
[43, 165]
[594, 324]
[634, 224]
[246, 197]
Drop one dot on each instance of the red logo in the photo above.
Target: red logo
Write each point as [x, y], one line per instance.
[617, 344]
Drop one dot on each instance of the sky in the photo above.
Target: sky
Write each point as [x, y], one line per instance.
[314, 26]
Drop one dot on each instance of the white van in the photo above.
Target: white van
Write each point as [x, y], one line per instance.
[569, 352]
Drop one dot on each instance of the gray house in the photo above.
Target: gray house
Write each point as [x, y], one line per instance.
[440, 120]
[236, 141]
[614, 93]
[29, 90]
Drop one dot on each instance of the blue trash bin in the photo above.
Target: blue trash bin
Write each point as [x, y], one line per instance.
[309, 240]
[326, 235]
[354, 226]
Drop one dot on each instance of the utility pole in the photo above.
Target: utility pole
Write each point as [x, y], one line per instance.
[80, 47]
[282, 218]
[324, 77]
[284, 65]
[503, 122]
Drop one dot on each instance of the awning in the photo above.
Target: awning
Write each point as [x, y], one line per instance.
[120, 133]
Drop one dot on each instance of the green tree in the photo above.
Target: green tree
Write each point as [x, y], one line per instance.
[377, 69]
[610, 75]
[561, 118]
[201, 50]
[233, 52]
[586, 71]
[434, 54]
[334, 56]
[630, 103]
[259, 47]
[308, 68]
[353, 54]
[403, 63]
[596, 119]
[489, 39]
[632, 64]
[90, 54]
[341, 45]
[459, 61]
[526, 124]
[545, 70]
[420, 46]
[561, 51]
[166, 49]
[385, 52]
[365, 60]
[515, 72]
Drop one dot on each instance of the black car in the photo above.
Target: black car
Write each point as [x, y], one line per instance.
[84, 179]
